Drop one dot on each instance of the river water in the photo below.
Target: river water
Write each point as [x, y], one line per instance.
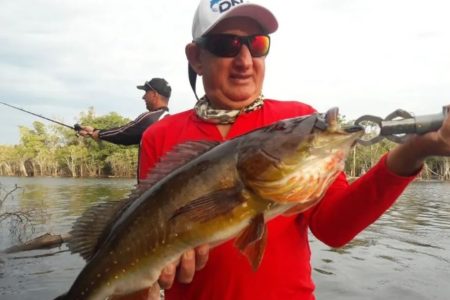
[404, 255]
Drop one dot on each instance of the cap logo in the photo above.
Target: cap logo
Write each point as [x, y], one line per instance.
[223, 6]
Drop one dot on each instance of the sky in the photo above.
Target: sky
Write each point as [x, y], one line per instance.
[58, 58]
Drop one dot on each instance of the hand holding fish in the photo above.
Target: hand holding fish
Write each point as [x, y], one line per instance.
[407, 158]
[185, 267]
[183, 270]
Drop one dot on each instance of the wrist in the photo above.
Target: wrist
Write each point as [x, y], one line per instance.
[406, 159]
[96, 134]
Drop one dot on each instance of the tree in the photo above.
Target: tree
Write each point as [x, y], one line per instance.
[55, 150]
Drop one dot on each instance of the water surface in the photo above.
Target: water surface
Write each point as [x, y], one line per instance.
[404, 255]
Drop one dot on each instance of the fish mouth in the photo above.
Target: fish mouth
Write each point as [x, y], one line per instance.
[356, 132]
[352, 128]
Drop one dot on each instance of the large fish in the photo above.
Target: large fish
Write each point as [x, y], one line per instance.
[205, 192]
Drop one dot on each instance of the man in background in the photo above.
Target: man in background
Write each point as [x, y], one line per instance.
[157, 94]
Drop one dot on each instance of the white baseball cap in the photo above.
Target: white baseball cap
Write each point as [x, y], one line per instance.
[211, 12]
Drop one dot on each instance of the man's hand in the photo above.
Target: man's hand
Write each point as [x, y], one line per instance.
[408, 158]
[184, 268]
[89, 131]
[152, 293]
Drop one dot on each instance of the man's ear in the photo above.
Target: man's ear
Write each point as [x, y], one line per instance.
[192, 51]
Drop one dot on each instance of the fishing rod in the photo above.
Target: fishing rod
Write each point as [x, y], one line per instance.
[76, 127]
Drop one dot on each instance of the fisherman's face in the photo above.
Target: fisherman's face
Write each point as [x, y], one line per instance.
[150, 98]
[233, 82]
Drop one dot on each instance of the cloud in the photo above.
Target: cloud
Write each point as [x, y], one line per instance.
[58, 58]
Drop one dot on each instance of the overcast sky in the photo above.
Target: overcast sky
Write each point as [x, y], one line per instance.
[60, 57]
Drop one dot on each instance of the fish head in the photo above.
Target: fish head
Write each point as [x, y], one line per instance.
[295, 160]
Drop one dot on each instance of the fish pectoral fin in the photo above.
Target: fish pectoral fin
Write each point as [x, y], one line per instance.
[252, 241]
[210, 206]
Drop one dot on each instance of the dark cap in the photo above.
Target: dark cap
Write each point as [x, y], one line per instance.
[160, 85]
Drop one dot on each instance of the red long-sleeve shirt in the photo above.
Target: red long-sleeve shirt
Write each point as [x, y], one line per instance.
[285, 270]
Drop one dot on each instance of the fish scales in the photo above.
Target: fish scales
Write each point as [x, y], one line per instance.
[229, 191]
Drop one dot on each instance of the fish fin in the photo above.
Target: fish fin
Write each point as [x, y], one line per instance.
[252, 241]
[93, 226]
[178, 156]
[209, 206]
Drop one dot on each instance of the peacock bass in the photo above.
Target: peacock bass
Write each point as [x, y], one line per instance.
[206, 192]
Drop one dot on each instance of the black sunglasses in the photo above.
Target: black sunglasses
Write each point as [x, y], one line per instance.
[229, 45]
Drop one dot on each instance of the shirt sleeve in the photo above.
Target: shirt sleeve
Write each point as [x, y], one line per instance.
[131, 133]
[347, 209]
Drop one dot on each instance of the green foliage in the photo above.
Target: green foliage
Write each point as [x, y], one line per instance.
[55, 150]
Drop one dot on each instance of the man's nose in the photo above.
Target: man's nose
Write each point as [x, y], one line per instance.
[244, 57]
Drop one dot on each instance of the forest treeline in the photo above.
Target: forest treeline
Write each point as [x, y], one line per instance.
[52, 150]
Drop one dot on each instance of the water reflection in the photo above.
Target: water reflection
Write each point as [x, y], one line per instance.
[404, 255]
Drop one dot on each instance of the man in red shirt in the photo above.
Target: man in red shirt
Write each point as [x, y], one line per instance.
[229, 48]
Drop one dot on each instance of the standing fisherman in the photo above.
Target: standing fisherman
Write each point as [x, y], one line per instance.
[157, 94]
